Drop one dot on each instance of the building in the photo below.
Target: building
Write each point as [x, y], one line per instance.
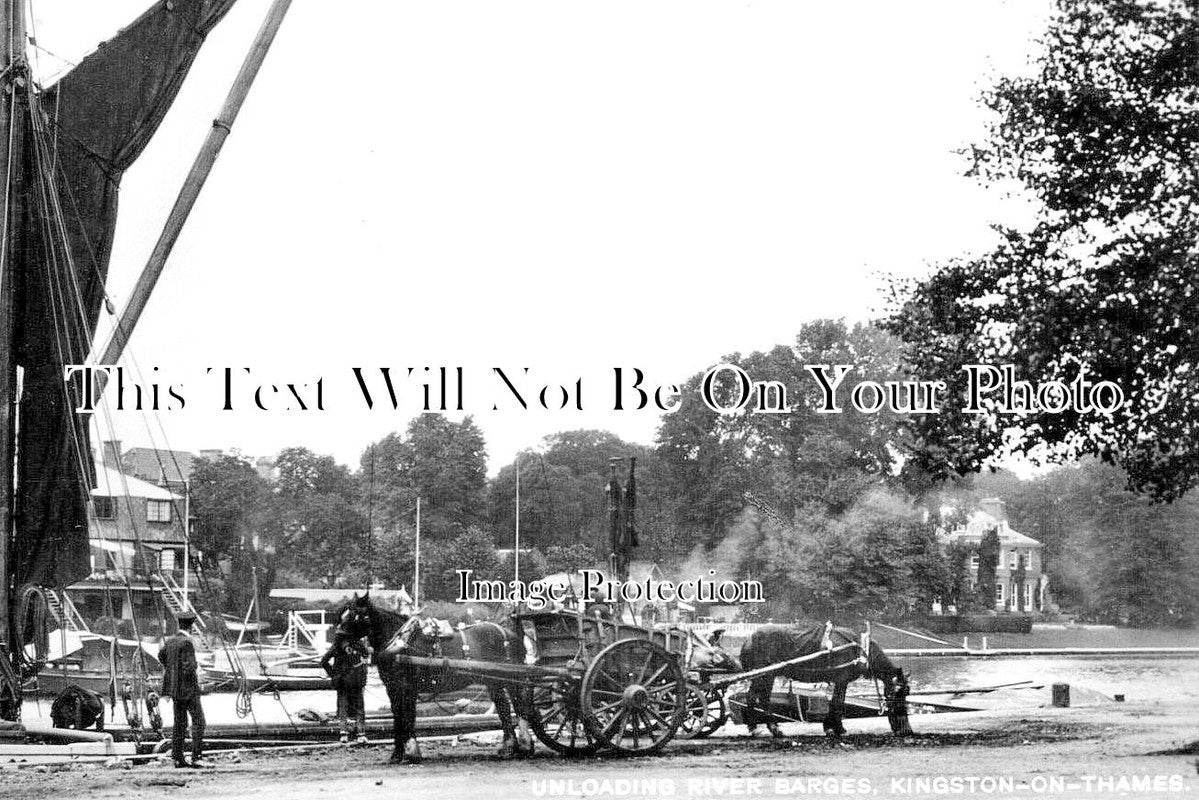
[138, 556]
[159, 467]
[1020, 581]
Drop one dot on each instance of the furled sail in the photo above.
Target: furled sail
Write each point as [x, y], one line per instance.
[74, 146]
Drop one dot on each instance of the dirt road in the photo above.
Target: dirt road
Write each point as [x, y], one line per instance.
[1093, 752]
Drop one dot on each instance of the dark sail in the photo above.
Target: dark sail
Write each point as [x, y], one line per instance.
[81, 136]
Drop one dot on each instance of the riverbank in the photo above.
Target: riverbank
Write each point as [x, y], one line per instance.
[1067, 753]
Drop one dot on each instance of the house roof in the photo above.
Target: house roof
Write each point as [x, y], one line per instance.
[111, 483]
[980, 522]
[154, 465]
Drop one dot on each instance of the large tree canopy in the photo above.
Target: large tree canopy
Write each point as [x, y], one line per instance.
[442, 462]
[1104, 138]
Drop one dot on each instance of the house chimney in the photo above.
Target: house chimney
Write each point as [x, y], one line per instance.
[112, 454]
[995, 508]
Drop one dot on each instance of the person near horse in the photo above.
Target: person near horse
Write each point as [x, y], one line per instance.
[78, 708]
[397, 635]
[345, 663]
[181, 683]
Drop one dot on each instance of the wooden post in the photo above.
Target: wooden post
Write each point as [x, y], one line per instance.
[416, 569]
[12, 58]
[200, 170]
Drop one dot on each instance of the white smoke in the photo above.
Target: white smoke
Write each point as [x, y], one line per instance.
[730, 555]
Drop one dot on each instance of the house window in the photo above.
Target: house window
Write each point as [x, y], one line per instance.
[105, 507]
[974, 560]
[166, 560]
[999, 593]
[1026, 559]
[1027, 596]
[1012, 560]
[158, 511]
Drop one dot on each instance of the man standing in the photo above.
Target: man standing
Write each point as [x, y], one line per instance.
[345, 662]
[181, 684]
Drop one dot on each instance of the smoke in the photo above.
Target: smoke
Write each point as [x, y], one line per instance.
[731, 556]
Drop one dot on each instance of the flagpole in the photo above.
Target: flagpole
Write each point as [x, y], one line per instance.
[517, 552]
[416, 570]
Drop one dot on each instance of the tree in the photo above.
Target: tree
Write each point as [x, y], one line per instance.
[444, 463]
[1104, 138]
[569, 558]
[876, 559]
[988, 564]
[474, 550]
[230, 502]
[562, 500]
[322, 530]
[957, 557]
[791, 460]
[304, 473]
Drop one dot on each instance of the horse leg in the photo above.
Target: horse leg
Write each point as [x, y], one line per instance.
[394, 693]
[836, 707]
[756, 703]
[522, 705]
[503, 709]
[411, 747]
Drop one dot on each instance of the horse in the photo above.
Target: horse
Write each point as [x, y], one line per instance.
[773, 644]
[393, 634]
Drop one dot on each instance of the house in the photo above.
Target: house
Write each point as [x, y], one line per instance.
[153, 465]
[138, 556]
[1020, 581]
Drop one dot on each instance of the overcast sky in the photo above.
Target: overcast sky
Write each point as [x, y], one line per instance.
[563, 186]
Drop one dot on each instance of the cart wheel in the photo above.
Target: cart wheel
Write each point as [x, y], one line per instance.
[556, 720]
[632, 697]
[706, 712]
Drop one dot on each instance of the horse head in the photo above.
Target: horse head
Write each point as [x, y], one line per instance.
[356, 619]
[708, 655]
[416, 636]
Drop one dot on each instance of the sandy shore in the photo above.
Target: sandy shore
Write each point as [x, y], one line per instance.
[1111, 750]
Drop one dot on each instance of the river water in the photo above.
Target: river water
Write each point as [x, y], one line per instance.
[1137, 678]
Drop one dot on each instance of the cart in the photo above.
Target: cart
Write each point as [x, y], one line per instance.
[602, 685]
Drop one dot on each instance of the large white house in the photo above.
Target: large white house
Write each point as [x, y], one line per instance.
[1020, 580]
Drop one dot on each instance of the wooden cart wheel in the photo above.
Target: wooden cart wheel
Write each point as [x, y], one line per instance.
[706, 711]
[632, 697]
[557, 722]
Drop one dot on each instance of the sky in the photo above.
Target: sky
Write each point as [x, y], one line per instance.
[566, 187]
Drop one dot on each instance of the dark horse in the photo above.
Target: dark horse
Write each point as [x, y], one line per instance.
[774, 644]
[394, 634]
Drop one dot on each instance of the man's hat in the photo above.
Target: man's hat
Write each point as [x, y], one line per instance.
[185, 616]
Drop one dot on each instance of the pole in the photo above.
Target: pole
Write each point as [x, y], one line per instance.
[416, 570]
[516, 552]
[187, 539]
[12, 60]
[200, 170]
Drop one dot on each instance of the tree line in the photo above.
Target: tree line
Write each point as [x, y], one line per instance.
[816, 506]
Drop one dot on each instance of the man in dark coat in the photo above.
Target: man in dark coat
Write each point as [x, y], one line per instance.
[345, 662]
[181, 683]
